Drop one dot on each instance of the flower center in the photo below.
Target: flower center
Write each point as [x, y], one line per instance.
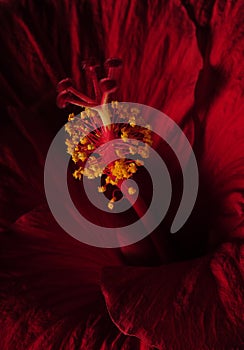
[119, 121]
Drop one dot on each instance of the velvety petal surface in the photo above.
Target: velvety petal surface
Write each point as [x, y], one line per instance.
[50, 290]
[182, 57]
[189, 305]
[49, 41]
[200, 300]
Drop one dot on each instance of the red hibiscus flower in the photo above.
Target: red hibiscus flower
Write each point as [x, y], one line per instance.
[182, 291]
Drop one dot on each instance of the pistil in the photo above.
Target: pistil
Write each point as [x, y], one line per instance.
[107, 122]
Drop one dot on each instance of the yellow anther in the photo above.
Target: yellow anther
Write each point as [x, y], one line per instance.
[78, 173]
[132, 168]
[88, 111]
[101, 189]
[82, 156]
[143, 151]
[83, 115]
[110, 181]
[132, 121]
[124, 135]
[131, 190]
[114, 104]
[71, 116]
[120, 153]
[70, 146]
[83, 140]
[110, 206]
[139, 162]
[75, 157]
[90, 147]
[132, 150]
[147, 140]
[68, 128]
[88, 173]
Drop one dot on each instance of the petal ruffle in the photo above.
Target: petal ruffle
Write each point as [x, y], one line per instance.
[48, 288]
[187, 305]
[50, 294]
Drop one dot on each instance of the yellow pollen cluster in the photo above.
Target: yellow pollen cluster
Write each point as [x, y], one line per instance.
[131, 190]
[110, 204]
[101, 189]
[71, 117]
[91, 173]
[122, 170]
[128, 128]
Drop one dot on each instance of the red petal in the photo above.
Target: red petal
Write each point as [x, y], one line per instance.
[50, 288]
[186, 305]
